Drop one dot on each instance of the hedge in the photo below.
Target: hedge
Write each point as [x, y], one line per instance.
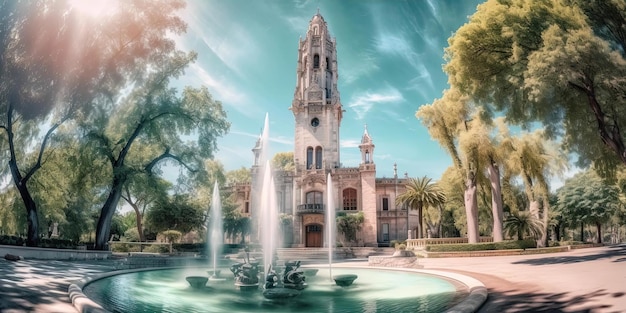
[503, 245]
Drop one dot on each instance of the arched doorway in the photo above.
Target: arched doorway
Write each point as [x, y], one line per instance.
[313, 235]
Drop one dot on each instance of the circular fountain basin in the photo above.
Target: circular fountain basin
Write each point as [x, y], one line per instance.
[376, 289]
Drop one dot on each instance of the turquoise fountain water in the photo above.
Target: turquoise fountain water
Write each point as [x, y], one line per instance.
[374, 291]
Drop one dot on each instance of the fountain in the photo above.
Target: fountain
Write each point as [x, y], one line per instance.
[216, 231]
[378, 289]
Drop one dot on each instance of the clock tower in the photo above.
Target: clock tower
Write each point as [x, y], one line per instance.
[316, 104]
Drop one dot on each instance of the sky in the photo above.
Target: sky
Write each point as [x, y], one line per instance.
[390, 58]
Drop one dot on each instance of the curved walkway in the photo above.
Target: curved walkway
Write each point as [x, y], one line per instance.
[586, 280]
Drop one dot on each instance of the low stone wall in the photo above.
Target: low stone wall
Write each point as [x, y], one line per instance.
[393, 261]
[479, 253]
[53, 254]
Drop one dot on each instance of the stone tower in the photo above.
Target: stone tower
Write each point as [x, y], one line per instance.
[317, 111]
[316, 104]
[367, 169]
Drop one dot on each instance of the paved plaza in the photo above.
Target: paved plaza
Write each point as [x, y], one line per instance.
[585, 280]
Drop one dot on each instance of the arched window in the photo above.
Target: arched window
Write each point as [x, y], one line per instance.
[349, 199]
[309, 158]
[315, 30]
[314, 197]
[316, 61]
[318, 157]
[367, 156]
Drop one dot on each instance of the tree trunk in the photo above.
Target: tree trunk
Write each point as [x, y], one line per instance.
[420, 233]
[32, 218]
[496, 201]
[582, 232]
[545, 220]
[471, 209]
[139, 217]
[599, 227]
[106, 214]
[557, 231]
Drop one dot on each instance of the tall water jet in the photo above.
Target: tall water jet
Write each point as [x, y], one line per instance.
[269, 218]
[216, 229]
[330, 223]
[261, 151]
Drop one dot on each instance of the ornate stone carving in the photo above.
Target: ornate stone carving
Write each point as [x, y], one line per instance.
[313, 219]
[315, 95]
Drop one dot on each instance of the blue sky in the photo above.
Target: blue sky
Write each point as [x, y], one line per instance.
[390, 57]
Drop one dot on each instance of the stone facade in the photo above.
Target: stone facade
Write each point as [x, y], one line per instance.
[302, 193]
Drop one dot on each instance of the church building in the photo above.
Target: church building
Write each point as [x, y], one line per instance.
[301, 193]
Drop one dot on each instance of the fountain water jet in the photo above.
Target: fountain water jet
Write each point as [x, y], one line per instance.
[330, 223]
[216, 230]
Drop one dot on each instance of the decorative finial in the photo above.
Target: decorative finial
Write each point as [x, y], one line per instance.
[318, 10]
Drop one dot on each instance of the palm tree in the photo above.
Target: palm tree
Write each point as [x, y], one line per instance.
[523, 223]
[420, 192]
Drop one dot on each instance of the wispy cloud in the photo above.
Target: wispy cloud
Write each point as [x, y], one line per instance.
[279, 139]
[350, 143]
[223, 91]
[230, 42]
[363, 103]
[399, 45]
[362, 65]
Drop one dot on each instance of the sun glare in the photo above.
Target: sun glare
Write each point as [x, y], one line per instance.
[93, 8]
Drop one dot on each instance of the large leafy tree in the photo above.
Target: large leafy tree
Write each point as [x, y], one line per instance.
[144, 133]
[558, 62]
[140, 193]
[586, 198]
[56, 65]
[175, 213]
[421, 192]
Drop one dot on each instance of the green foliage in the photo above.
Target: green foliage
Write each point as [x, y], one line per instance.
[283, 161]
[349, 224]
[11, 240]
[522, 224]
[172, 235]
[587, 198]
[503, 245]
[396, 243]
[176, 213]
[557, 62]
[240, 176]
[419, 193]
[131, 235]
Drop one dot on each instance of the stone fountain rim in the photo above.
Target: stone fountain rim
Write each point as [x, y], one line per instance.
[477, 290]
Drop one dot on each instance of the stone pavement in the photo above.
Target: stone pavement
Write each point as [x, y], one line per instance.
[586, 280]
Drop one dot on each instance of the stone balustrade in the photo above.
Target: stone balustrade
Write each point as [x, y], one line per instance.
[420, 244]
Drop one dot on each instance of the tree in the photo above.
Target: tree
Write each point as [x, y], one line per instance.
[52, 71]
[144, 133]
[283, 161]
[561, 63]
[140, 192]
[522, 224]
[175, 213]
[421, 192]
[349, 224]
[585, 198]
[240, 176]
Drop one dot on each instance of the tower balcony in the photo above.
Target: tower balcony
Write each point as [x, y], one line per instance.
[310, 208]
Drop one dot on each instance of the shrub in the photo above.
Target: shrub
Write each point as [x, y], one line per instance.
[157, 249]
[504, 245]
[172, 235]
[394, 243]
